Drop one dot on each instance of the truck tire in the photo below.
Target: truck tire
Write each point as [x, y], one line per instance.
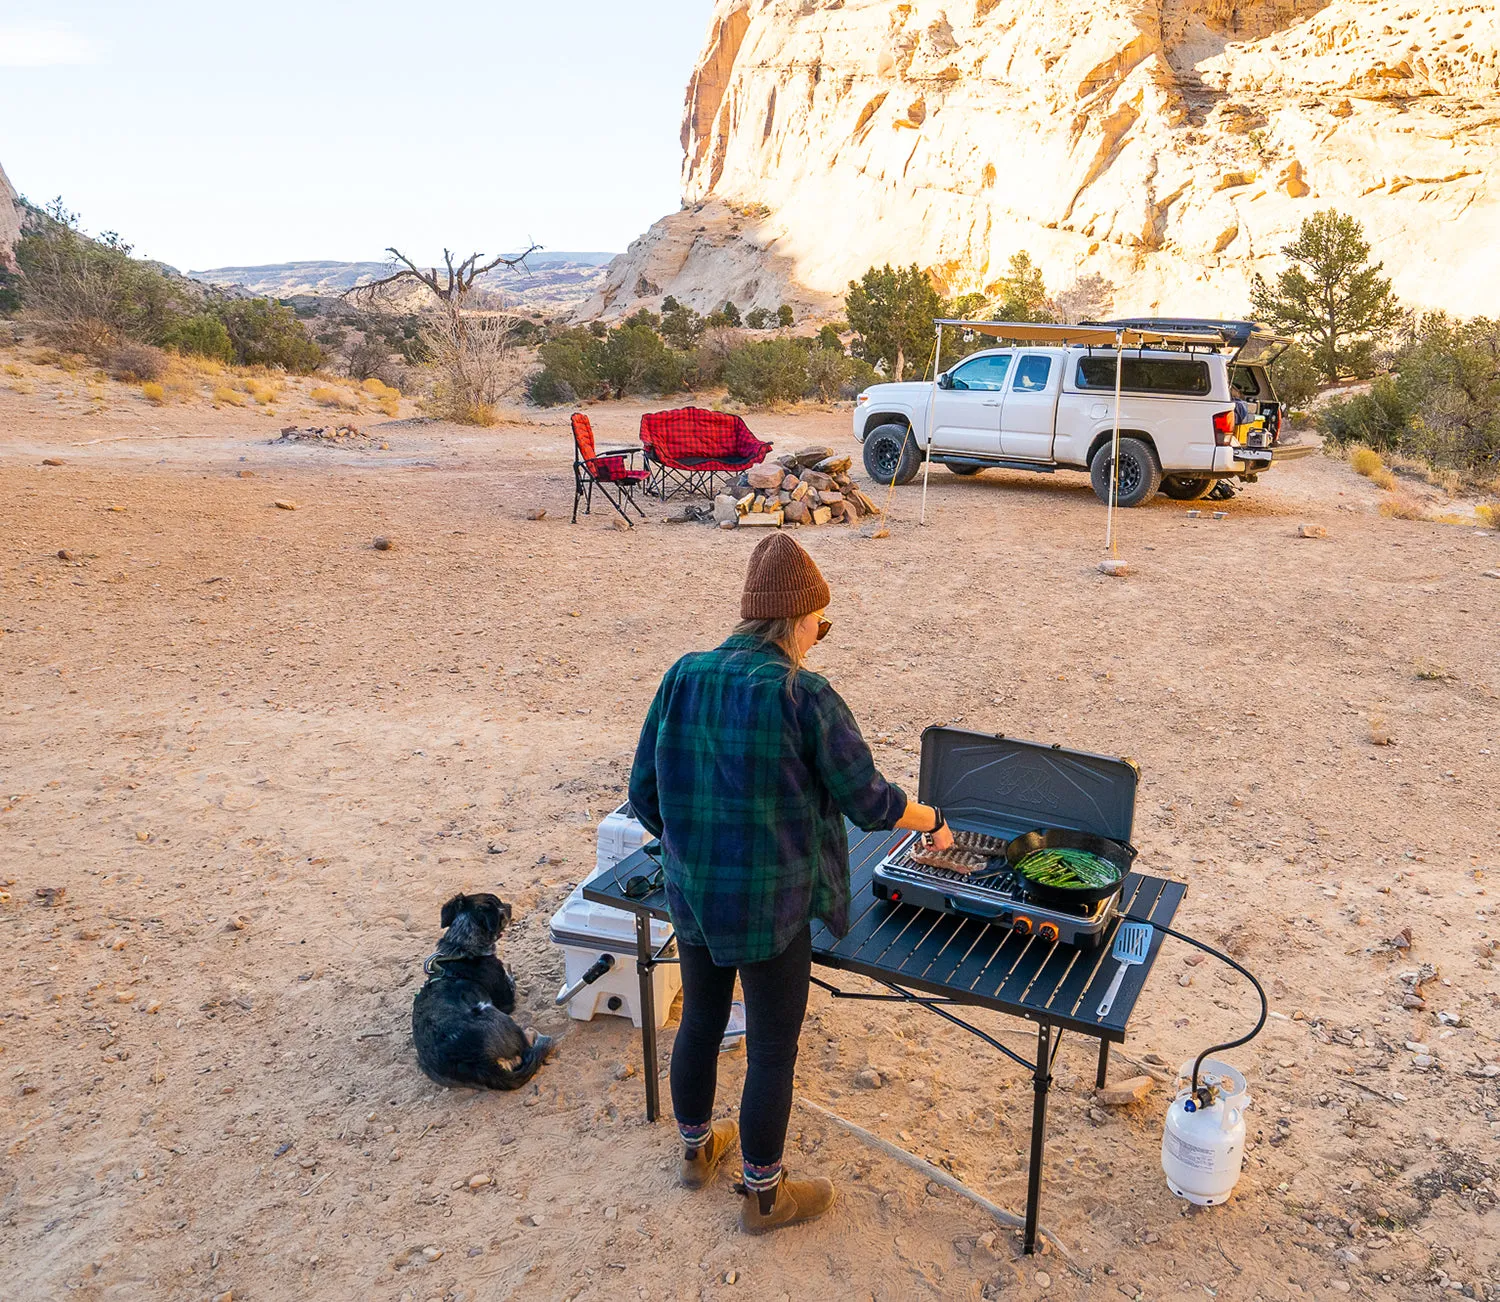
[891, 452]
[1187, 488]
[1140, 473]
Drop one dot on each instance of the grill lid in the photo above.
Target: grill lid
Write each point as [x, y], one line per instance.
[1006, 786]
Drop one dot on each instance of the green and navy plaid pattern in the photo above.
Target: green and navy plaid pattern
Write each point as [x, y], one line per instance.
[746, 772]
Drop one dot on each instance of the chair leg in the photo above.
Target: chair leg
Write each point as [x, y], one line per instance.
[629, 494]
[577, 493]
[614, 502]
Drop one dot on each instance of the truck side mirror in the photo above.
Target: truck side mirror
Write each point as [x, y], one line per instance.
[945, 381]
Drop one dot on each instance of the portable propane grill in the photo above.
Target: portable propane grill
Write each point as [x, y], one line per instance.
[994, 788]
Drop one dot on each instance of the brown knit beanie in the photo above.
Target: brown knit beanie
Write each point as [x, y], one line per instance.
[782, 582]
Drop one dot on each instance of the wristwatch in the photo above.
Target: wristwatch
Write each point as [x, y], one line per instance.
[942, 821]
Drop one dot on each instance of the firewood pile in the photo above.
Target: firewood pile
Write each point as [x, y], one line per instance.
[810, 487]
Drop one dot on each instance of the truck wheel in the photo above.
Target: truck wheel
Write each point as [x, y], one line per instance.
[1187, 488]
[891, 452]
[1140, 473]
[964, 470]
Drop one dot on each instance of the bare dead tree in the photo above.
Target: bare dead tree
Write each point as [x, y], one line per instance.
[468, 348]
[451, 292]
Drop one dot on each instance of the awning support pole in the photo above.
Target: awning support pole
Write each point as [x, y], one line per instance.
[937, 365]
[1114, 466]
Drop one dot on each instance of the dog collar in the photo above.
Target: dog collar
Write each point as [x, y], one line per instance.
[433, 963]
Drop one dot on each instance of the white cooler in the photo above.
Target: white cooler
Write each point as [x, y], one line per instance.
[584, 931]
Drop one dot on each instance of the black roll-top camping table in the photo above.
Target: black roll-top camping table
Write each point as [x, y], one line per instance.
[940, 961]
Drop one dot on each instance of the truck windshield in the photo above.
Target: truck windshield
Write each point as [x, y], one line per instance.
[986, 373]
[1145, 374]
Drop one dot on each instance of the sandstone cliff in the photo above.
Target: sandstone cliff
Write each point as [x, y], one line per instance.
[10, 218]
[1171, 145]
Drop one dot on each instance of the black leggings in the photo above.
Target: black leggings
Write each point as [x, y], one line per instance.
[775, 1002]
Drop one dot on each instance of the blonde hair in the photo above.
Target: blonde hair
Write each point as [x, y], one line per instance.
[778, 632]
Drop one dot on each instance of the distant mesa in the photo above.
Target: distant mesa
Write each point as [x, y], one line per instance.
[10, 218]
[551, 281]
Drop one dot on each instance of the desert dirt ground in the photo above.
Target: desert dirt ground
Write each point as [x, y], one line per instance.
[256, 754]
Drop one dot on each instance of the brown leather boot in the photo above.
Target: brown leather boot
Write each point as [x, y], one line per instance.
[795, 1201]
[696, 1171]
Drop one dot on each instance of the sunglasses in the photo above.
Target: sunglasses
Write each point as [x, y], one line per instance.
[824, 625]
[637, 888]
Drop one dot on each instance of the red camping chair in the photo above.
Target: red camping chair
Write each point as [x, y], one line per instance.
[689, 448]
[609, 470]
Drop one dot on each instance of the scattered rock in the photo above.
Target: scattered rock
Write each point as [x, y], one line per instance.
[1185, 979]
[611, 1213]
[1116, 569]
[1311, 531]
[625, 1071]
[619, 526]
[245, 474]
[237, 923]
[63, 554]
[1492, 574]
[51, 896]
[284, 504]
[431, 1253]
[479, 1181]
[51, 461]
[731, 1276]
[382, 544]
[1043, 1279]
[1125, 1092]
[869, 1079]
[765, 476]
[726, 510]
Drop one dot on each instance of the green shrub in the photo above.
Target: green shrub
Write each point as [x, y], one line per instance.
[203, 335]
[86, 295]
[680, 326]
[10, 292]
[567, 372]
[265, 333]
[634, 358]
[728, 315]
[757, 318]
[828, 337]
[1296, 376]
[784, 316]
[1442, 405]
[761, 373]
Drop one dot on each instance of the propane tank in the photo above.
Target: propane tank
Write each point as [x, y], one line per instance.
[1203, 1145]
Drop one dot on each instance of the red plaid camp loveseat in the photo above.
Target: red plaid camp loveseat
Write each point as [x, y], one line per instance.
[688, 449]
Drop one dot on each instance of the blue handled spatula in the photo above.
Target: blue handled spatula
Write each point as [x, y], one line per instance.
[1132, 941]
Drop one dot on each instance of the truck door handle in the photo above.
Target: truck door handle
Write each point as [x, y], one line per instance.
[992, 402]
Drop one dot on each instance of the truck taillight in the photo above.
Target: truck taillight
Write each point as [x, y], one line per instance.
[1224, 428]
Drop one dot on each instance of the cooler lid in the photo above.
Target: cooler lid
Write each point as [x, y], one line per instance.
[1006, 786]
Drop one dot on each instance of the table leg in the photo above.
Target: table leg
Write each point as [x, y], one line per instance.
[1041, 1079]
[1103, 1064]
[643, 965]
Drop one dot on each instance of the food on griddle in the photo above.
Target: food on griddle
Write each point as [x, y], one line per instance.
[1068, 869]
[955, 859]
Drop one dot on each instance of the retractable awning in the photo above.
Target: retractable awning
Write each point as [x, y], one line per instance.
[1093, 335]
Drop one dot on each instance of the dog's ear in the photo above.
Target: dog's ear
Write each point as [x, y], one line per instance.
[453, 908]
[491, 912]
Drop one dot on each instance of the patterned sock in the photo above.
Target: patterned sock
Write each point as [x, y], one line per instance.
[694, 1138]
[762, 1181]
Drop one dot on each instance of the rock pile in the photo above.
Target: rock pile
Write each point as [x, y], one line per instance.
[808, 487]
[337, 436]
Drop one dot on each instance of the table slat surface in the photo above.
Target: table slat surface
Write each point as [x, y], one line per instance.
[965, 959]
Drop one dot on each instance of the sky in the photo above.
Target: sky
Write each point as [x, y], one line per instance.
[211, 134]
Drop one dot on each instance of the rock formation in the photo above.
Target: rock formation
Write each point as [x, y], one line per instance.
[1171, 145]
[10, 218]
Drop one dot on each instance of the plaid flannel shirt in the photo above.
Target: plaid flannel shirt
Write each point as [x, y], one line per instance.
[746, 773]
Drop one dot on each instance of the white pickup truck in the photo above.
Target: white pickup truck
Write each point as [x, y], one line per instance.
[1052, 408]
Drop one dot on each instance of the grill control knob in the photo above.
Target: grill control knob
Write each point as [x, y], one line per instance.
[1047, 931]
[1021, 926]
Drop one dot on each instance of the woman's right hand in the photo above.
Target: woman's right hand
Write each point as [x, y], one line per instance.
[918, 818]
[942, 839]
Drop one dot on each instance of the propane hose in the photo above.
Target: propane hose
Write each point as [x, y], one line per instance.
[1242, 970]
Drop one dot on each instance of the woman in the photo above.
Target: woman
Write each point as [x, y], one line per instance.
[746, 768]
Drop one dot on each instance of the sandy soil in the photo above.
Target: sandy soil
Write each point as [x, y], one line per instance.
[258, 754]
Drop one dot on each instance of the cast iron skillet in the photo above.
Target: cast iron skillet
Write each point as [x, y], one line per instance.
[1118, 853]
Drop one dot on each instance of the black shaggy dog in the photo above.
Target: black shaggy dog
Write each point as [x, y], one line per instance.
[461, 1018]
